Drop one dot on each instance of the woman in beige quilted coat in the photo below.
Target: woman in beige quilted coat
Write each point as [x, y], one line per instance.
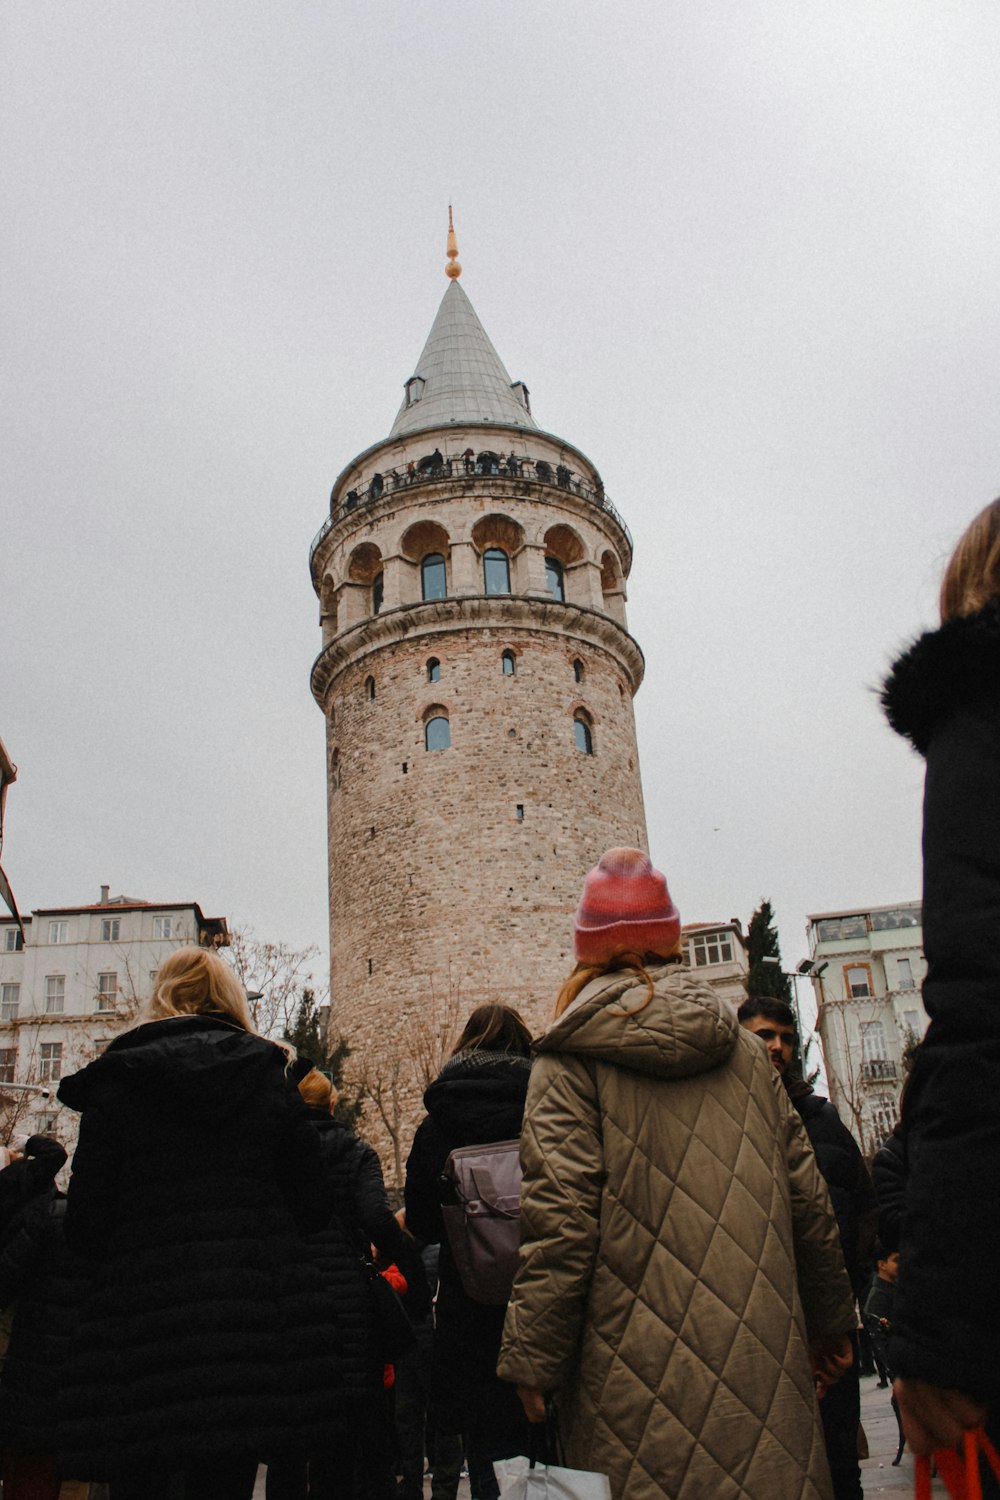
[681, 1293]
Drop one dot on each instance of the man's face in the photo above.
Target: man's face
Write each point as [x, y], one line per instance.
[778, 1039]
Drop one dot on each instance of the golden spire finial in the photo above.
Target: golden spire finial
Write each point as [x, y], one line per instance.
[453, 269]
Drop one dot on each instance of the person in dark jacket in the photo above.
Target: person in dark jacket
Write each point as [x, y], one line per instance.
[889, 1179]
[207, 1343]
[843, 1169]
[879, 1304]
[360, 1217]
[42, 1286]
[943, 695]
[478, 1097]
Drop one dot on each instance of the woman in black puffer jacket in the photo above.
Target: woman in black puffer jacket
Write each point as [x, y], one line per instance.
[478, 1097]
[207, 1343]
[943, 694]
[361, 1217]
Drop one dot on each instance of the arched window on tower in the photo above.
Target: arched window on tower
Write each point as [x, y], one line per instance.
[509, 662]
[578, 670]
[496, 571]
[437, 733]
[433, 670]
[378, 592]
[583, 734]
[370, 689]
[433, 577]
[554, 579]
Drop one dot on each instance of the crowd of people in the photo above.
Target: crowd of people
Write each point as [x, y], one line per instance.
[225, 1284]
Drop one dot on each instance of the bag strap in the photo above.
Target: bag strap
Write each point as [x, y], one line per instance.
[960, 1472]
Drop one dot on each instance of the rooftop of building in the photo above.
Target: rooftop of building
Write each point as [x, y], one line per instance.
[460, 377]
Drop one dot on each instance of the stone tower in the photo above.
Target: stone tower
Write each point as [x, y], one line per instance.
[477, 678]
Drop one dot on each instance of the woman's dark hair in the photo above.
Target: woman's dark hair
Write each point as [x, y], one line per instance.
[494, 1028]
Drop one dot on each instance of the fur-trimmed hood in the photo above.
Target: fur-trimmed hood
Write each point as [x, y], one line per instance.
[943, 670]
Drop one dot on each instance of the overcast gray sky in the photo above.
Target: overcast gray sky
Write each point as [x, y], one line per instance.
[745, 257]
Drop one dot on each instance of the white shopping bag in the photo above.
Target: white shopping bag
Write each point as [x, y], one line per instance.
[519, 1481]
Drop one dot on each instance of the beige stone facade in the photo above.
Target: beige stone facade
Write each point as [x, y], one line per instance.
[455, 871]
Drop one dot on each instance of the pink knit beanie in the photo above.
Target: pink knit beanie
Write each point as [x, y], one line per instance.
[625, 908]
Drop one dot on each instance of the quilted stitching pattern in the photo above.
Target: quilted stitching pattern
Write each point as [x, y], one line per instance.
[661, 1229]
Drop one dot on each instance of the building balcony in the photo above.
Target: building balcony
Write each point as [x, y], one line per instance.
[879, 1070]
[520, 476]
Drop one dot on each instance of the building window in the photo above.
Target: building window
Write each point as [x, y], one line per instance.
[554, 579]
[50, 1062]
[10, 1000]
[884, 1117]
[107, 991]
[8, 1064]
[433, 670]
[437, 733]
[836, 929]
[873, 1042]
[58, 932]
[858, 981]
[582, 735]
[509, 663]
[433, 577]
[911, 1021]
[163, 927]
[578, 670]
[904, 973]
[496, 571]
[378, 592]
[55, 994]
[110, 928]
[12, 941]
[519, 812]
[370, 689]
[711, 948]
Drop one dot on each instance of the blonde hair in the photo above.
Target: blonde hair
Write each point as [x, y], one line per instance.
[972, 577]
[627, 963]
[317, 1090]
[192, 981]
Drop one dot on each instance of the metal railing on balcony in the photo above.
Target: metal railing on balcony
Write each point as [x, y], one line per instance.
[877, 1069]
[514, 471]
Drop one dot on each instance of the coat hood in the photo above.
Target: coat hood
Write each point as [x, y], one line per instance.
[199, 1065]
[479, 1096]
[943, 669]
[687, 1028]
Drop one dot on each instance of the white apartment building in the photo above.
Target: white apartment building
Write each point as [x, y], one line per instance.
[73, 983]
[718, 952]
[867, 969]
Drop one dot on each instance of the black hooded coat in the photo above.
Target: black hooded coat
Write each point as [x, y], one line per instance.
[478, 1097]
[208, 1334]
[943, 695]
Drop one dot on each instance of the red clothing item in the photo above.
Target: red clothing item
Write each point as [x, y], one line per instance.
[397, 1281]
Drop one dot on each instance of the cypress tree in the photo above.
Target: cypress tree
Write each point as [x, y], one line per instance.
[762, 942]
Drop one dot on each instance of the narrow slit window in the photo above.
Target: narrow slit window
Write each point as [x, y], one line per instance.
[433, 670]
[582, 735]
[509, 663]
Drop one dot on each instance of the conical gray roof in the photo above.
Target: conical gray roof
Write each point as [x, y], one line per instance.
[464, 378]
